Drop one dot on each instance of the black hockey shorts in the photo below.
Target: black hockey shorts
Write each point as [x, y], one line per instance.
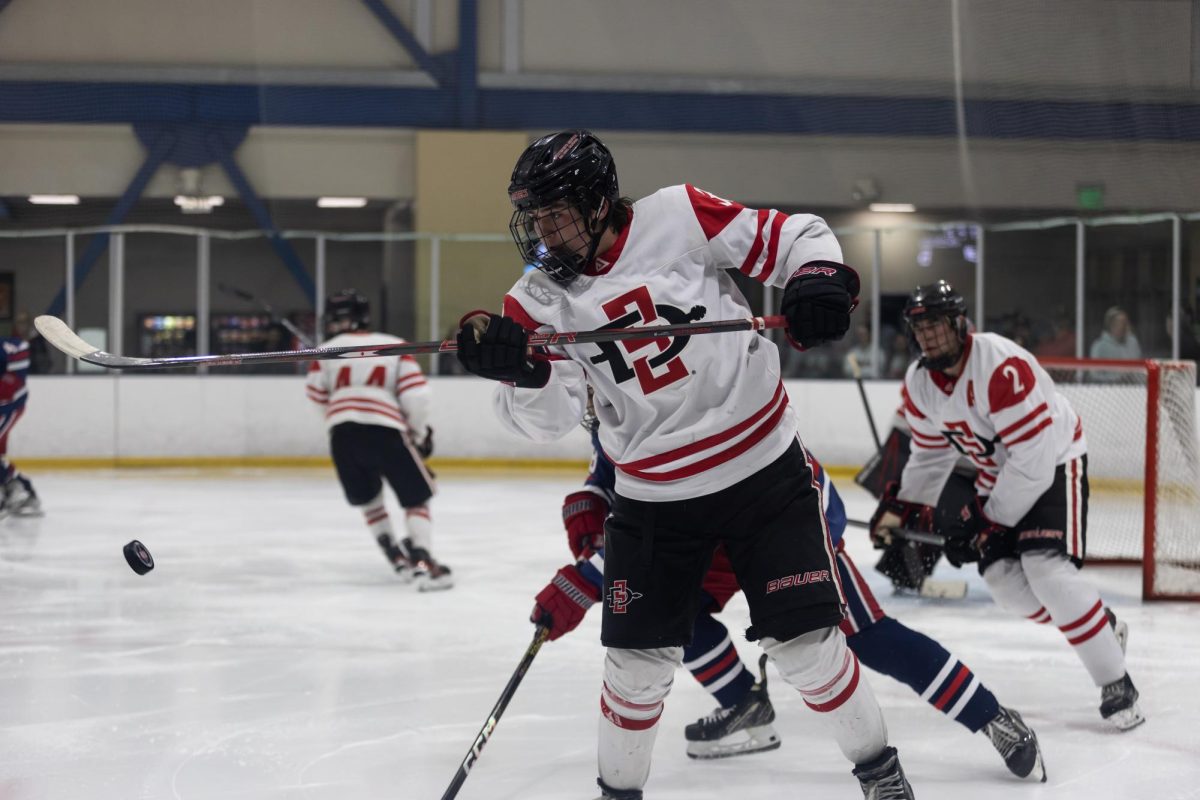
[773, 528]
[1057, 521]
[366, 454]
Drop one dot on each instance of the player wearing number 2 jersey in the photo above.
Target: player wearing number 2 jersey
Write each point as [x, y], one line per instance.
[982, 396]
[699, 430]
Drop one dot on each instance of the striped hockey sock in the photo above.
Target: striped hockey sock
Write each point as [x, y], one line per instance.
[714, 663]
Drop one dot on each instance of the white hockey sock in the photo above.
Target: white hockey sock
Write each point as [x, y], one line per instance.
[828, 676]
[636, 682]
[377, 519]
[419, 526]
[1078, 611]
[1010, 589]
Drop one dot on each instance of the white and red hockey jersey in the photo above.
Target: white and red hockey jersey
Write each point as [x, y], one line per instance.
[390, 390]
[1003, 413]
[684, 416]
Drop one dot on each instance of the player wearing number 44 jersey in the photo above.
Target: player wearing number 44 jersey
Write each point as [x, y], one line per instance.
[982, 396]
[377, 411]
[699, 430]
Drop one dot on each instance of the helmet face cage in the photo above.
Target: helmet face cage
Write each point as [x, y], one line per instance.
[934, 302]
[570, 170]
[346, 310]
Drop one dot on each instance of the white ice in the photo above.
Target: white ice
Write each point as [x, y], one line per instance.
[272, 654]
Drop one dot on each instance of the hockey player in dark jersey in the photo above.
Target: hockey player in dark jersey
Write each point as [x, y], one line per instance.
[18, 498]
[742, 722]
[699, 429]
[983, 397]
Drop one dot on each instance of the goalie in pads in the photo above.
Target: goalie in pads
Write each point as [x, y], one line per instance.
[982, 396]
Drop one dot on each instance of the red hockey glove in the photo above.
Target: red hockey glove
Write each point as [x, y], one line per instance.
[564, 601]
[893, 512]
[965, 540]
[583, 517]
[817, 301]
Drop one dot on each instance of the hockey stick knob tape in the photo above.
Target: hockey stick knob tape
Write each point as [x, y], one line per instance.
[138, 557]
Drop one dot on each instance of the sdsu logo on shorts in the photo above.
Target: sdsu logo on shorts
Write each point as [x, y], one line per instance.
[620, 596]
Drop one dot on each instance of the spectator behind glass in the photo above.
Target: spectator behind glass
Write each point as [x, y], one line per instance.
[39, 352]
[899, 356]
[1118, 340]
[862, 352]
[1060, 343]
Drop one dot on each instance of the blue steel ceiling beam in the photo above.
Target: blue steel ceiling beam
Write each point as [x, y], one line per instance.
[404, 36]
[157, 154]
[536, 109]
[223, 155]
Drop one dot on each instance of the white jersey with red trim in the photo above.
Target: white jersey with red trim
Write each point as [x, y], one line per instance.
[390, 390]
[679, 417]
[1003, 413]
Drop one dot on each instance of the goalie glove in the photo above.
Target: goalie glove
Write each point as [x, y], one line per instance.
[967, 537]
[496, 348]
[565, 600]
[893, 512]
[817, 301]
[583, 517]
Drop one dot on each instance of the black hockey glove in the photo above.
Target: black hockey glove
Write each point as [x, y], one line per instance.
[496, 348]
[967, 537]
[817, 301]
[424, 447]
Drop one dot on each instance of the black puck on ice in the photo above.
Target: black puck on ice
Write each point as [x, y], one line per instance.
[138, 557]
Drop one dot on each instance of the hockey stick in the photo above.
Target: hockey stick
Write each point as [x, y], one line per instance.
[242, 294]
[935, 539]
[862, 392]
[62, 337]
[485, 733]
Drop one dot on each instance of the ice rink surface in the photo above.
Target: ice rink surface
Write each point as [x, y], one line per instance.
[272, 654]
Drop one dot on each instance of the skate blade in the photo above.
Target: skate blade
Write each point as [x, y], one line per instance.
[427, 584]
[751, 740]
[1127, 719]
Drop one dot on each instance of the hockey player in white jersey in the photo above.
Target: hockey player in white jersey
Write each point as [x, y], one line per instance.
[376, 411]
[982, 396]
[699, 430]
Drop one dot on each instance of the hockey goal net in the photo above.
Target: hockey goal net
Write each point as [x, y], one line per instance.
[1139, 418]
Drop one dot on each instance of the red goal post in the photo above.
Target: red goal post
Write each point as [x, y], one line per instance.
[1139, 418]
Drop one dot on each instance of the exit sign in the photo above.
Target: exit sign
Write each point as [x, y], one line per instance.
[1090, 196]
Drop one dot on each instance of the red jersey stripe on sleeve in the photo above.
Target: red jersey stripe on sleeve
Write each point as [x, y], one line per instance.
[755, 249]
[512, 308]
[909, 406]
[772, 248]
[713, 213]
[1023, 421]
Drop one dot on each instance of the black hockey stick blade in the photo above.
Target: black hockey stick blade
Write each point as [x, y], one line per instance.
[62, 337]
[539, 638]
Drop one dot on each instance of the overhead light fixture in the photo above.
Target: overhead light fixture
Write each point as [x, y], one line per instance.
[893, 208]
[341, 202]
[198, 204]
[54, 199]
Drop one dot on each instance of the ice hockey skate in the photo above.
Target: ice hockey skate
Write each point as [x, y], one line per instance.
[427, 572]
[397, 557]
[883, 778]
[1017, 744]
[744, 728]
[1118, 704]
[608, 793]
[20, 500]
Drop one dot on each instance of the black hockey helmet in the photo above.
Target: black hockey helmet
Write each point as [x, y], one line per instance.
[937, 300]
[350, 307]
[572, 166]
